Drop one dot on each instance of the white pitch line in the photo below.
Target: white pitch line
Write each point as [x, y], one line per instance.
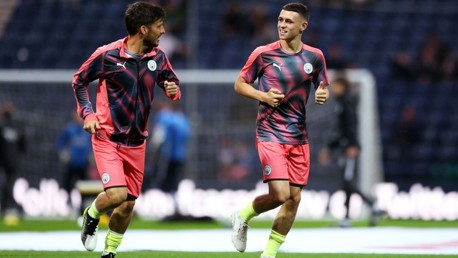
[388, 240]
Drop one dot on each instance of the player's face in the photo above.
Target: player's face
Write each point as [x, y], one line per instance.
[290, 25]
[153, 32]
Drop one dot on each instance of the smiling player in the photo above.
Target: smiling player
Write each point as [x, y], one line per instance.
[286, 70]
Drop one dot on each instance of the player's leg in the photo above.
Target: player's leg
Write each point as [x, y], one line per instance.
[298, 160]
[110, 165]
[110, 168]
[108, 200]
[287, 213]
[105, 201]
[119, 221]
[134, 165]
[274, 165]
[283, 222]
[274, 161]
[279, 193]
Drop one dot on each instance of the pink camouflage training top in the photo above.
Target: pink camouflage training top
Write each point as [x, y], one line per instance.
[293, 75]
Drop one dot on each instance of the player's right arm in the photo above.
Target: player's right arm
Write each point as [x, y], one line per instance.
[88, 72]
[250, 71]
[272, 97]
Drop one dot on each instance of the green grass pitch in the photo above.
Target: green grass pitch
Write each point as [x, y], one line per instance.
[149, 254]
[61, 225]
[35, 225]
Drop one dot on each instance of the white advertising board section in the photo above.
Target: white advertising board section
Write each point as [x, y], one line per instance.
[420, 202]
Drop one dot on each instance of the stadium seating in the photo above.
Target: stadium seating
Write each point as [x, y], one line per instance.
[61, 35]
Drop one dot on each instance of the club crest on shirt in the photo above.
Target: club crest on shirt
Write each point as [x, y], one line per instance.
[105, 178]
[308, 68]
[152, 65]
[267, 170]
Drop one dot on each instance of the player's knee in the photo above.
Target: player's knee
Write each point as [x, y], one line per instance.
[127, 207]
[281, 197]
[116, 196]
[296, 199]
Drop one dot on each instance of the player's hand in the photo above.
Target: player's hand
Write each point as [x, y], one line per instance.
[171, 88]
[274, 97]
[91, 126]
[321, 94]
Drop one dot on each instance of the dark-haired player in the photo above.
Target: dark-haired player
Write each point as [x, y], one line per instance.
[286, 70]
[127, 71]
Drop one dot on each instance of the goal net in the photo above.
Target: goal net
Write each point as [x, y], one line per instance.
[222, 150]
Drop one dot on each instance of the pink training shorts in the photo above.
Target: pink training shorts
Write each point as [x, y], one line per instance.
[119, 165]
[285, 162]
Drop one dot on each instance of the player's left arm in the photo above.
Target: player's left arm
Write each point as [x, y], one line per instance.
[321, 76]
[168, 80]
[321, 93]
[172, 90]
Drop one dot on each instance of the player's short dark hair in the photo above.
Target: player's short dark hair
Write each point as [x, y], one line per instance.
[299, 8]
[142, 13]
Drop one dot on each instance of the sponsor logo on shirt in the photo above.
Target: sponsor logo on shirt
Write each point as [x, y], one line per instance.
[121, 64]
[277, 65]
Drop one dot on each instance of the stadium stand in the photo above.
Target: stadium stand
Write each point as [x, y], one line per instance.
[62, 34]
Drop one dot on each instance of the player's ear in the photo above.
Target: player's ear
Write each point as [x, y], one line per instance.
[143, 29]
[304, 25]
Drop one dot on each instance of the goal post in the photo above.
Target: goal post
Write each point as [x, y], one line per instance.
[371, 164]
[44, 99]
